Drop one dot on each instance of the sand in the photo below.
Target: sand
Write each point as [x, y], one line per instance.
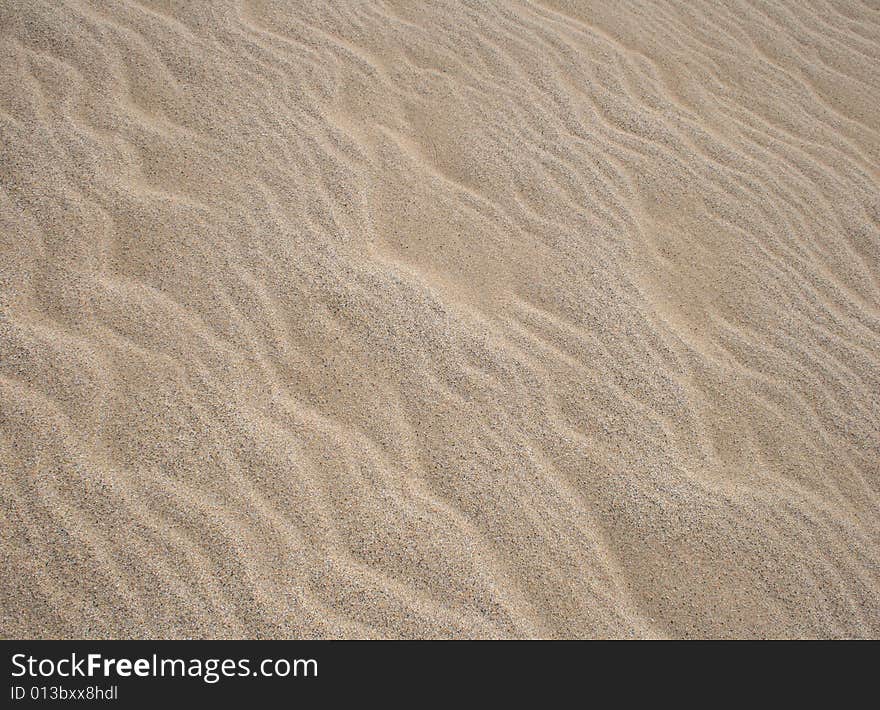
[449, 319]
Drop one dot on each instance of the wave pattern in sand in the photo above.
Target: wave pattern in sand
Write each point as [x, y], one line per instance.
[439, 319]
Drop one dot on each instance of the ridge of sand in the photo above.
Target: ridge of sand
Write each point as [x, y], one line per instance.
[513, 319]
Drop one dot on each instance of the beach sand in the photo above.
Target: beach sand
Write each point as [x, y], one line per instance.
[449, 319]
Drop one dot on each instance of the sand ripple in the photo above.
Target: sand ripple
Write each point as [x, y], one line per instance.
[541, 319]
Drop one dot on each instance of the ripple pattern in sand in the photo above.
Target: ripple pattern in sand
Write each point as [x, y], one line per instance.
[449, 319]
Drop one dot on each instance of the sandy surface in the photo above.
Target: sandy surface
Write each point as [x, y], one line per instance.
[448, 319]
